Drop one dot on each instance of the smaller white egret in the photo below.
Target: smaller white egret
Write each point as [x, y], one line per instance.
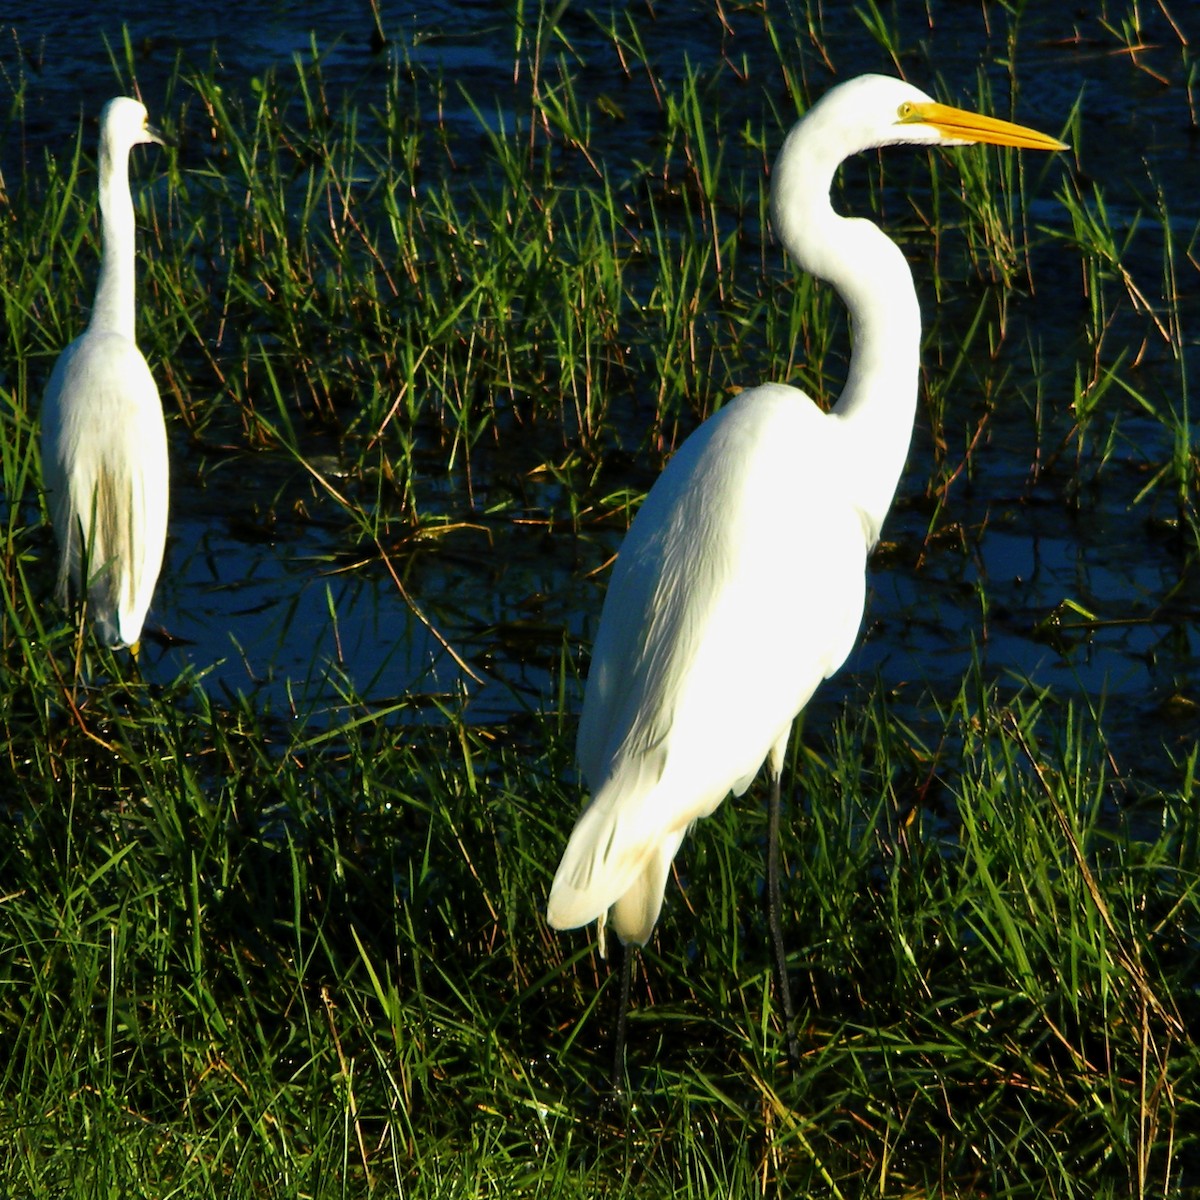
[741, 582]
[104, 441]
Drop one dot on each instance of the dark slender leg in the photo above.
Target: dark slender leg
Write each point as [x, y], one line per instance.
[618, 1068]
[774, 920]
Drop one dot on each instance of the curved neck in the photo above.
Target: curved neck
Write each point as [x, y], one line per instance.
[114, 309]
[879, 400]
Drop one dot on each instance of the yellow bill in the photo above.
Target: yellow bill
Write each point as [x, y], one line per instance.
[966, 126]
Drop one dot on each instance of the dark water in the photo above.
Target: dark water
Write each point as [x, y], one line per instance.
[267, 614]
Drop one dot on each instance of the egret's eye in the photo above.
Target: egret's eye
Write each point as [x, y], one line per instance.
[906, 111]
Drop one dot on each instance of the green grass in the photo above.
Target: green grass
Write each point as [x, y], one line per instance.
[268, 944]
[238, 958]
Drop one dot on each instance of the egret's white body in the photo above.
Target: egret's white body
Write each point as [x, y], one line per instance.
[104, 441]
[741, 583]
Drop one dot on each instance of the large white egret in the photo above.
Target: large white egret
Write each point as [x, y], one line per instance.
[104, 442]
[741, 583]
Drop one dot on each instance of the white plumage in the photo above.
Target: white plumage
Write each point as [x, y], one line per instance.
[741, 583]
[104, 442]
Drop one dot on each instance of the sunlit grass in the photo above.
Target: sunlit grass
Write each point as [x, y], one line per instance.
[242, 953]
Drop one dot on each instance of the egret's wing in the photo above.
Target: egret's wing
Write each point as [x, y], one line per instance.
[105, 466]
[739, 588]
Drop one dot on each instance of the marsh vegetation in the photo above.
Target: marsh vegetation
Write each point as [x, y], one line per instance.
[429, 310]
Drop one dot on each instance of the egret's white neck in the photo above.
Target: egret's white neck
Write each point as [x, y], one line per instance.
[878, 402]
[114, 309]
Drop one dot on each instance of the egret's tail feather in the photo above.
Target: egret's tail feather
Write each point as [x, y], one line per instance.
[609, 866]
[595, 870]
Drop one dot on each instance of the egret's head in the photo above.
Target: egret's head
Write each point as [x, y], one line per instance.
[877, 110]
[125, 122]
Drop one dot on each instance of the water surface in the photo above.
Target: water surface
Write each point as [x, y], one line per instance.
[266, 607]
